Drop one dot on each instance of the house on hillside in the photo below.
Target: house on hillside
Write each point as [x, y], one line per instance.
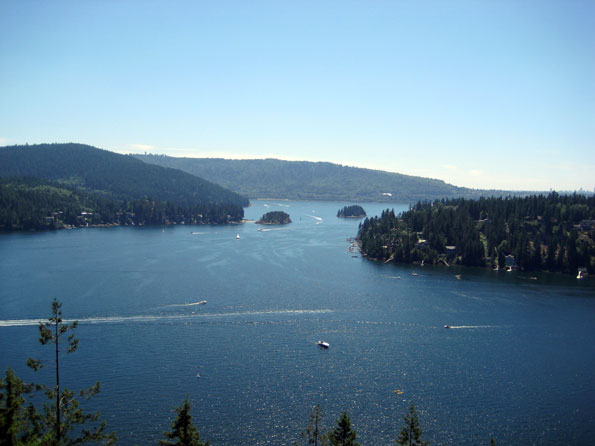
[450, 251]
[510, 262]
[421, 243]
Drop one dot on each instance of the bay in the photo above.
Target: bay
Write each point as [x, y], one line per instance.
[517, 364]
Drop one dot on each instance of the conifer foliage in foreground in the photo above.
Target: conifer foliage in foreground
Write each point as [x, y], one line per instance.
[61, 421]
[343, 434]
[183, 431]
[411, 433]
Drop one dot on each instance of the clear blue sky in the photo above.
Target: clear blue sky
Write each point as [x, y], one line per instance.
[487, 94]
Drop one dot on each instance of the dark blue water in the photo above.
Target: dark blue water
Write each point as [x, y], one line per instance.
[517, 365]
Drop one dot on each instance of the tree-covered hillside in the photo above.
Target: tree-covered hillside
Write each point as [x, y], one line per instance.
[122, 176]
[35, 204]
[58, 185]
[302, 180]
[553, 233]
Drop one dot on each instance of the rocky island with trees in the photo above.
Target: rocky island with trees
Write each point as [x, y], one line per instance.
[551, 232]
[274, 218]
[353, 211]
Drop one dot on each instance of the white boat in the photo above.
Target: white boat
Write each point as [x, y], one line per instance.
[447, 326]
[202, 302]
[323, 344]
[237, 236]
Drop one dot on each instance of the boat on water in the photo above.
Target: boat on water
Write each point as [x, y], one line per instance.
[447, 326]
[237, 236]
[323, 344]
[202, 302]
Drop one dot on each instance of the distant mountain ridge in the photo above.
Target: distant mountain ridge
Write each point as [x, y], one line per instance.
[304, 180]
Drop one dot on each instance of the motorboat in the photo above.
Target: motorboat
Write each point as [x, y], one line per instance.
[237, 236]
[323, 344]
[202, 302]
[447, 326]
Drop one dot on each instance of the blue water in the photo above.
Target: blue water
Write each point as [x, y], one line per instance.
[518, 363]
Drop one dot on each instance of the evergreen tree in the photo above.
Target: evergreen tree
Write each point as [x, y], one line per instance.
[343, 435]
[63, 422]
[411, 433]
[184, 432]
[312, 434]
[15, 427]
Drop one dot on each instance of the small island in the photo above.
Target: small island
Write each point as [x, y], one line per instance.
[274, 218]
[354, 211]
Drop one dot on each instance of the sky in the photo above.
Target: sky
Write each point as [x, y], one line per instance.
[482, 94]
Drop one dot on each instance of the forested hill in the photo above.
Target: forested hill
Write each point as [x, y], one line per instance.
[303, 180]
[61, 185]
[552, 233]
[121, 176]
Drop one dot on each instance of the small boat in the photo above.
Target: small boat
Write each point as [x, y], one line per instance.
[580, 275]
[398, 392]
[323, 344]
[202, 302]
[237, 236]
[447, 326]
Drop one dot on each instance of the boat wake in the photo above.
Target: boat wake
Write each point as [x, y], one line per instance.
[161, 317]
[191, 304]
[314, 217]
[472, 326]
[272, 229]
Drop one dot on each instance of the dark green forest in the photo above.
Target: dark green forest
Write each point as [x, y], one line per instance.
[275, 218]
[303, 180]
[353, 211]
[538, 233]
[56, 185]
[34, 204]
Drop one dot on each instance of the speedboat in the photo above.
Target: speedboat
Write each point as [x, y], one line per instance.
[237, 236]
[447, 326]
[202, 302]
[323, 344]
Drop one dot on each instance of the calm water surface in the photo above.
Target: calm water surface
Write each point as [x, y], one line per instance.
[518, 363]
